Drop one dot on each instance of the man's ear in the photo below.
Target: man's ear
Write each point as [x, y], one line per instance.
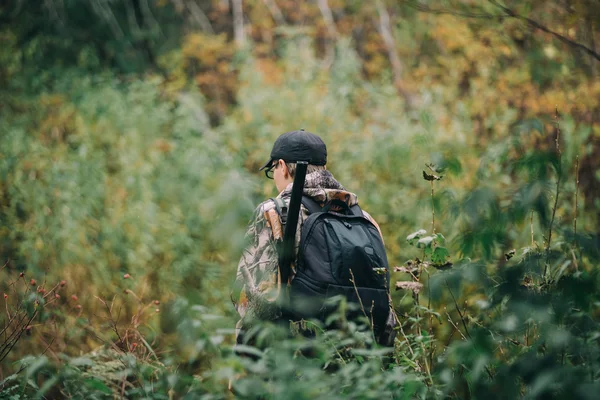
[286, 172]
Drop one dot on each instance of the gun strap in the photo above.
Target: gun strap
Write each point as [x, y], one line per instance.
[289, 235]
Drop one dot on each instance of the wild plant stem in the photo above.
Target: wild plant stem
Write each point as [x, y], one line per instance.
[431, 349]
[576, 198]
[559, 173]
[432, 210]
[362, 307]
[462, 318]
[405, 337]
[531, 227]
[426, 364]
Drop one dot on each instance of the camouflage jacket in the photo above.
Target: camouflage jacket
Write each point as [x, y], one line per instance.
[257, 282]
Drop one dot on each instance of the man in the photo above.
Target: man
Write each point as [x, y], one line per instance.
[258, 282]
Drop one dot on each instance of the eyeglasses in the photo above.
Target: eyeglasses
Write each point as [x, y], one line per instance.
[270, 172]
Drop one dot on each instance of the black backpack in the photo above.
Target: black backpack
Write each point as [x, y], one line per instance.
[341, 253]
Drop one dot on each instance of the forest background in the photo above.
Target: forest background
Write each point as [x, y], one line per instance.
[131, 132]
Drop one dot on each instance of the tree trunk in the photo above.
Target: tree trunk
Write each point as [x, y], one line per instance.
[385, 31]
[275, 12]
[238, 23]
[331, 32]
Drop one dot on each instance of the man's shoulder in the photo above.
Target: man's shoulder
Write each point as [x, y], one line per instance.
[270, 206]
[265, 206]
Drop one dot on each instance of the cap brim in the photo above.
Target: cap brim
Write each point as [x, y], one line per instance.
[268, 164]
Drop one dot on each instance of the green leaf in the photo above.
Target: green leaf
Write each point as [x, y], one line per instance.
[440, 238]
[428, 251]
[97, 385]
[413, 237]
[10, 378]
[439, 255]
[37, 364]
[47, 386]
[244, 349]
[81, 362]
[372, 352]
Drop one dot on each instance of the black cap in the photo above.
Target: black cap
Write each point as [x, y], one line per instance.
[298, 146]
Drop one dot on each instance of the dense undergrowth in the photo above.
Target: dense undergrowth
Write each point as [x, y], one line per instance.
[123, 214]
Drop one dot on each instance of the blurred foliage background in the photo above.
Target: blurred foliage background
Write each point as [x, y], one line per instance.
[131, 132]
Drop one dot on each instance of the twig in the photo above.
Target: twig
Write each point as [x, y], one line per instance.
[462, 318]
[412, 353]
[327, 340]
[454, 325]
[48, 348]
[360, 301]
[111, 320]
[511, 340]
[13, 341]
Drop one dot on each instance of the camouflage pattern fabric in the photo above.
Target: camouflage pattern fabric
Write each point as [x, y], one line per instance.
[257, 282]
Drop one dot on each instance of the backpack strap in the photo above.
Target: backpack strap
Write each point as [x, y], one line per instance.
[311, 205]
[281, 208]
[356, 210]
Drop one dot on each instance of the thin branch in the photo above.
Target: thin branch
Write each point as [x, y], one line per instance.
[13, 341]
[510, 13]
[405, 338]
[507, 13]
[462, 317]
[439, 11]
[454, 325]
